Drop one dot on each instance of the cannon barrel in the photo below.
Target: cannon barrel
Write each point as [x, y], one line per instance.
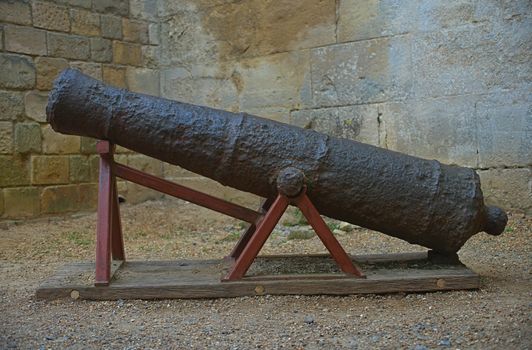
[418, 200]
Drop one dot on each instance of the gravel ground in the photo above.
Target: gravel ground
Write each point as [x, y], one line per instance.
[498, 316]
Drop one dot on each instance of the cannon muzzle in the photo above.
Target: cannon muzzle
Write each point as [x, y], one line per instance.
[418, 200]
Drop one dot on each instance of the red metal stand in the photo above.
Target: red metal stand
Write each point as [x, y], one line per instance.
[254, 238]
[109, 242]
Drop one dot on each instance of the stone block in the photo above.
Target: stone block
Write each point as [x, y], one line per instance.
[25, 40]
[79, 169]
[214, 188]
[185, 41]
[122, 158]
[16, 72]
[91, 69]
[362, 72]
[137, 193]
[88, 196]
[60, 199]
[35, 105]
[508, 188]
[443, 129]
[359, 123]
[203, 88]
[143, 80]
[68, 46]
[281, 80]
[151, 56]
[232, 30]
[46, 170]
[15, 11]
[154, 33]
[79, 3]
[101, 50]
[88, 145]
[360, 20]
[122, 154]
[48, 69]
[441, 15]
[471, 60]
[506, 10]
[21, 202]
[11, 105]
[280, 114]
[111, 27]
[135, 31]
[171, 7]
[117, 7]
[6, 137]
[144, 9]
[114, 75]
[127, 53]
[121, 186]
[15, 171]
[94, 161]
[147, 164]
[120, 149]
[27, 137]
[504, 129]
[56, 143]
[50, 16]
[172, 172]
[85, 22]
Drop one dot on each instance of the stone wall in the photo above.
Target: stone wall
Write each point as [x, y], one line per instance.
[448, 80]
[43, 172]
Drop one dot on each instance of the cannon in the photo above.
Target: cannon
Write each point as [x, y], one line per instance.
[420, 201]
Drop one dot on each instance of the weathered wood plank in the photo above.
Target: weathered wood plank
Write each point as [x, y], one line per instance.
[202, 279]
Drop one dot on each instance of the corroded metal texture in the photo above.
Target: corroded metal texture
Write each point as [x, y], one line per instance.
[418, 200]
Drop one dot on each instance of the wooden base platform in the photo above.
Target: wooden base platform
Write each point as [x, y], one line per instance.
[291, 274]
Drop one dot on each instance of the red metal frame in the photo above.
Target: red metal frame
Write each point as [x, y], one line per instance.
[253, 240]
[109, 240]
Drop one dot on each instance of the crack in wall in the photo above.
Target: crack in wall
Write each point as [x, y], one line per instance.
[381, 129]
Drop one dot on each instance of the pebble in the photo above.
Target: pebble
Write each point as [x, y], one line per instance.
[419, 327]
[345, 226]
[309, 319]
[445, 342]
[300, 234]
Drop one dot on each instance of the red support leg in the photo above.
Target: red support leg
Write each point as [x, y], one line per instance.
[258, 239]
[104, 225]
[117, 241]
[237, 250]
[324, 233]
[251, 243]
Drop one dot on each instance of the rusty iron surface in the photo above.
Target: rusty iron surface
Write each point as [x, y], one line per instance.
[421, 201]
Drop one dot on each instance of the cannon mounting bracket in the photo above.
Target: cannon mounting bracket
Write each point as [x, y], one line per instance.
[254, 238]
[109, 240]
